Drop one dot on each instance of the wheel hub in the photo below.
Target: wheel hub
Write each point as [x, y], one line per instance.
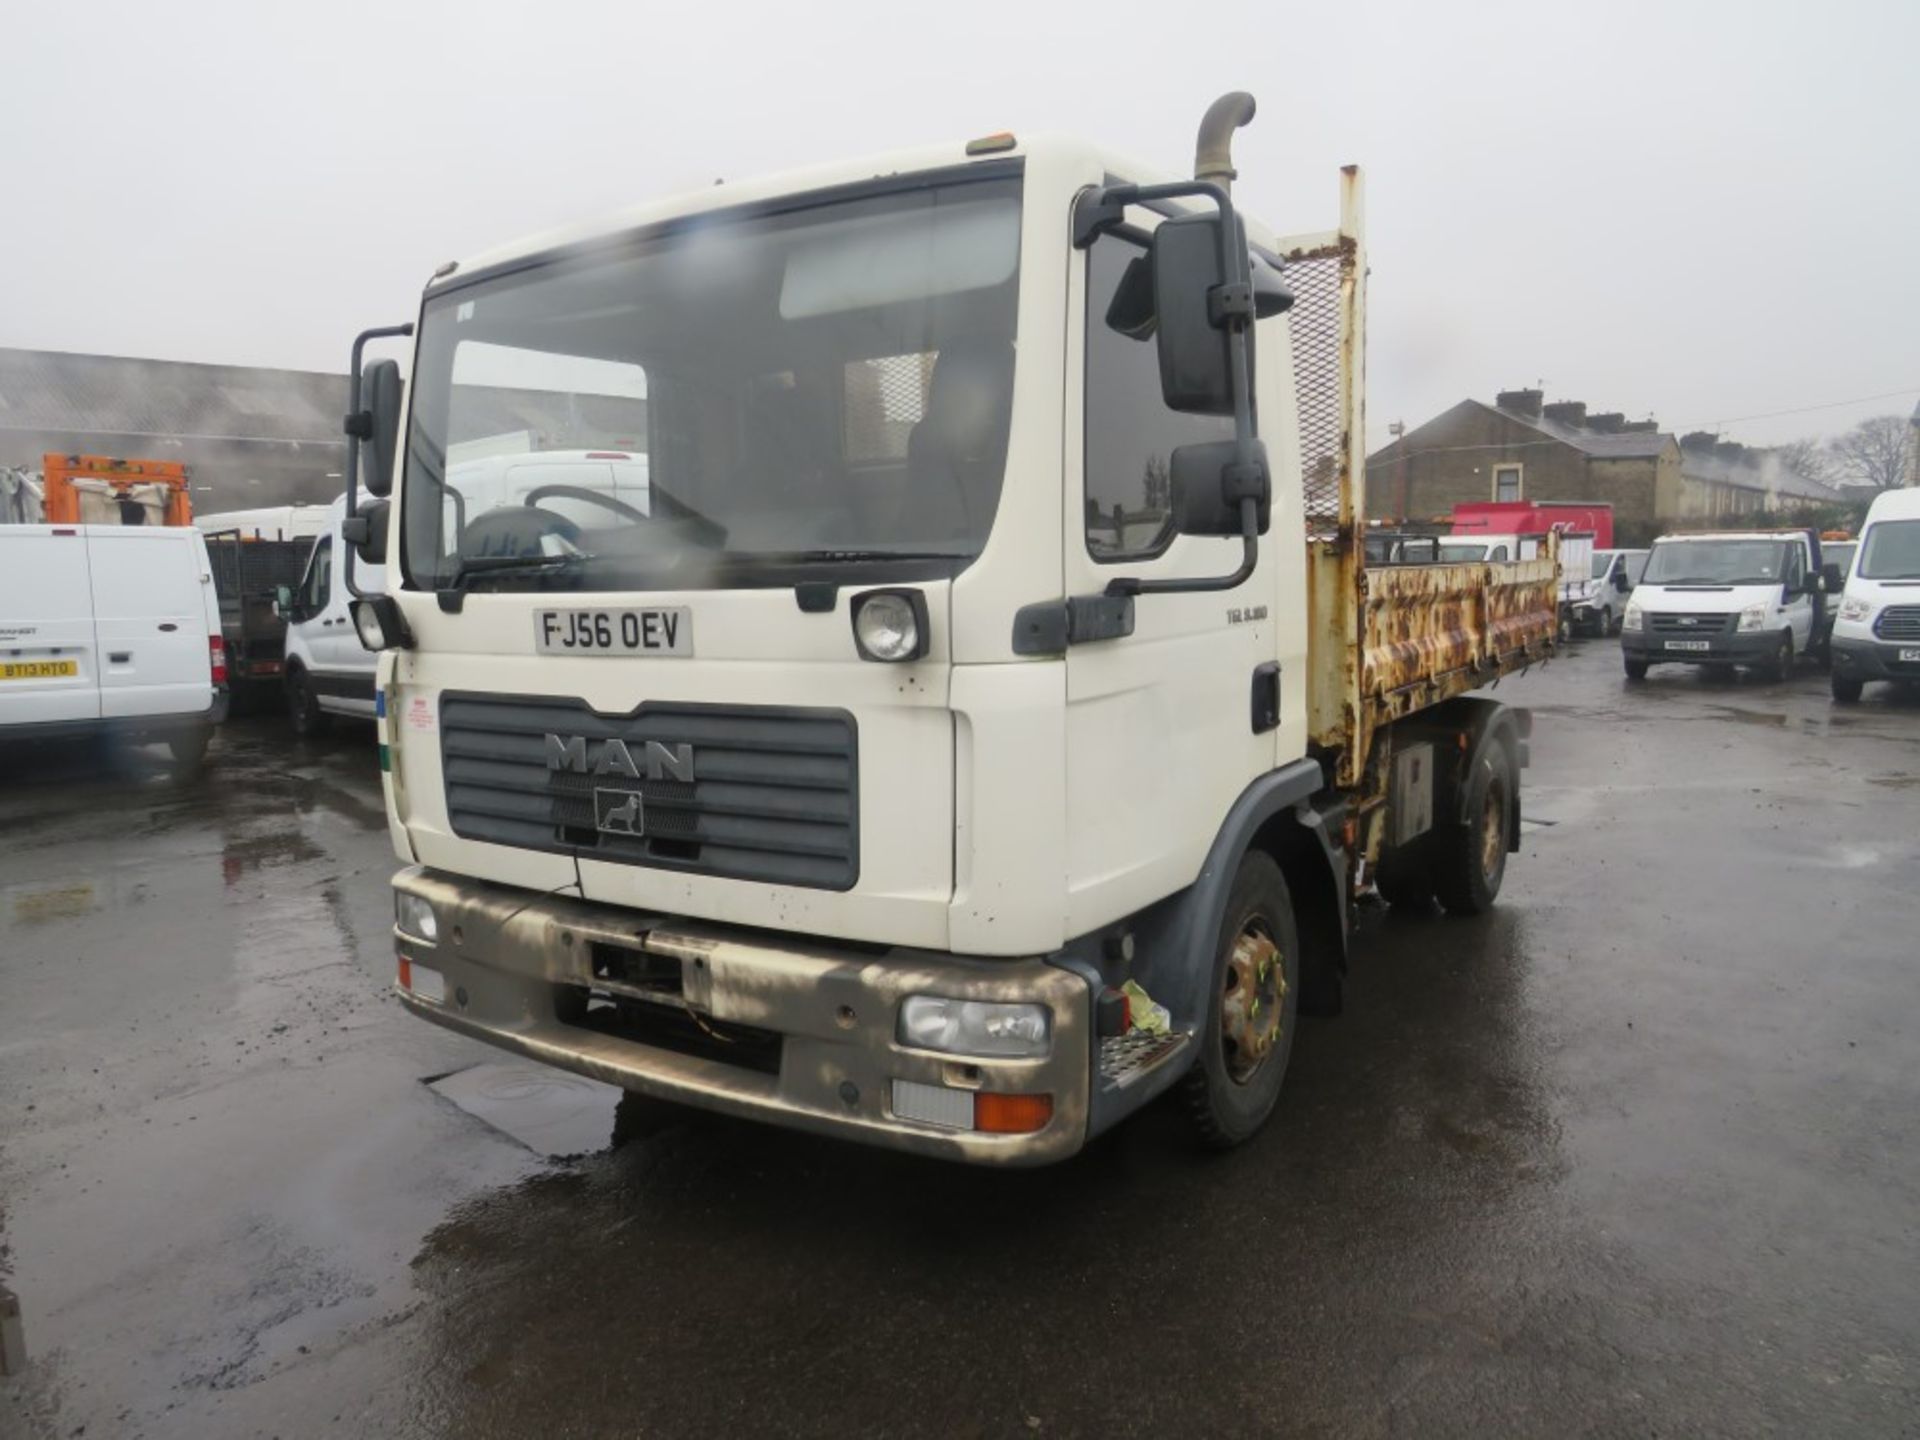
[1493, 831]
[1250, 1005]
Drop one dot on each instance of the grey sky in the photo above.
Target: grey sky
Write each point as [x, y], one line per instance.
[1699, 212]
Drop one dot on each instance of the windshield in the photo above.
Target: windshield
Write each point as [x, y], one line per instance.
[1602, 562]
[1455, 554]
[745, 402]
[1891, 551]
[1839, 553]
[1718, 562]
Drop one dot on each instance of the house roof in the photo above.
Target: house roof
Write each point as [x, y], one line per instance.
[52, 391]
[1620, 445]
[1754, 470]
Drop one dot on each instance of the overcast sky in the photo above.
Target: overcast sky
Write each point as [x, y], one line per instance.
[1695, 212]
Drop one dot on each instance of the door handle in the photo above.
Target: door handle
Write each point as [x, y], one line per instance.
[120, 657]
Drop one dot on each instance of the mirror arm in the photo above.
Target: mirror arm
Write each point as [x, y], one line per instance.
[359, 426]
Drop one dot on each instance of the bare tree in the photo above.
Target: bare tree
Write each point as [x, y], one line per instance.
[1810, 459]
[1874, 452]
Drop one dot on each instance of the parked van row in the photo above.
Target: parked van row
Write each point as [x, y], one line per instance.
[1753, 598]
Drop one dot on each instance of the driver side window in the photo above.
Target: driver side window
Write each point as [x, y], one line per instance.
[318, 585]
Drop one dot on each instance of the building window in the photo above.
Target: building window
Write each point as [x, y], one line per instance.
[1130, 435]
[1506, 482]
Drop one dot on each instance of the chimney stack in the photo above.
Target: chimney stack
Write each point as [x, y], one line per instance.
[1572, 413]
[1640, 427]
[1521, 402]
[1731, 451]
[1698, 440]
[1610, 423]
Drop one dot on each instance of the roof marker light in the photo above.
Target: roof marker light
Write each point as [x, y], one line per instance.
[992, 144]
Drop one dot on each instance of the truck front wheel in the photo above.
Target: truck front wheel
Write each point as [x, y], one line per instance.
[1248, 1036]
[1470, 859]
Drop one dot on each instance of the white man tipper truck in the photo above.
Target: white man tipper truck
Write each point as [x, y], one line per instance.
[983, 719]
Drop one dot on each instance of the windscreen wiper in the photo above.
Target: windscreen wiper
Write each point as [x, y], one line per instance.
[453, 594]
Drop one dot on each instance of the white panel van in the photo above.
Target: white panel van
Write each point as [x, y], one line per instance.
[110, 631]
[1876, 634]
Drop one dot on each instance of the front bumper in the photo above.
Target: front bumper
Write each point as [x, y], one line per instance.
[1751, 647]
[1873, 660]
[811, 1022]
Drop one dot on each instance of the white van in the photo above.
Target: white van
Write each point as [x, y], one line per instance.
[1740, 598]
[328, 671]
[1876, 634]
[110, 631]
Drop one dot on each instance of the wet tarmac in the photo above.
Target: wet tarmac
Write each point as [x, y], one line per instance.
[1635, 1154]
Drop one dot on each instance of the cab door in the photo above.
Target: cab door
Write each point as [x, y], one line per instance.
[1160, 737]
[1796, 605]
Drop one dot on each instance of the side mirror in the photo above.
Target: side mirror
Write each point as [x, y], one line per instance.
[1196, 371]
[283, 600]
[1812, 584]
[367, 531]
[1833, 578]
[1207, 491]
[1621, 583]
[379, 422]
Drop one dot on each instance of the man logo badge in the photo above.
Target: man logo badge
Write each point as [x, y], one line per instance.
[618, 812]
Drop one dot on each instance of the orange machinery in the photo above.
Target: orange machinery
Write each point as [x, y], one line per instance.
[157, 487]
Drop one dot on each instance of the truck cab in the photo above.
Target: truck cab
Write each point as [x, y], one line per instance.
[1749, 598]
[933, 752]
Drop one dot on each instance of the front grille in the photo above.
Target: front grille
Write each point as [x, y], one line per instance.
[1898, 622]
[1694, 624]
[774, 795]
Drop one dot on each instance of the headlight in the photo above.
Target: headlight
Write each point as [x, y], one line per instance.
[1635, 618]
[380, 624]
[890, 625]
[414, 917]
[1754, 617]
[975, 1027]
[1854, 608]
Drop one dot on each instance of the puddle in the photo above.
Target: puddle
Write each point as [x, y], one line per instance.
[1752, 717]
[552, 1112]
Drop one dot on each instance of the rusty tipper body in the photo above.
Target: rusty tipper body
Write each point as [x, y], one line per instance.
[918, 681]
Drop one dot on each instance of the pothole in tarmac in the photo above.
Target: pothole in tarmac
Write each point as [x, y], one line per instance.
[552, 1112]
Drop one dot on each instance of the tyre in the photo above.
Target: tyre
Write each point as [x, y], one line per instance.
[189, 750]
[1248, 1035]
[1402, 878]
[1470, 860]
[1780, 667]
[1608, 625]
[1563, 633]
[303, 708]
[1846, 691]
[1636, 669]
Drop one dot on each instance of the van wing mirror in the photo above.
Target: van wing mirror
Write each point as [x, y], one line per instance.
[1621, 582]
[1191, 297]
[1208, 486]
[1833, 578]
[366, 531]
[283, 600]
